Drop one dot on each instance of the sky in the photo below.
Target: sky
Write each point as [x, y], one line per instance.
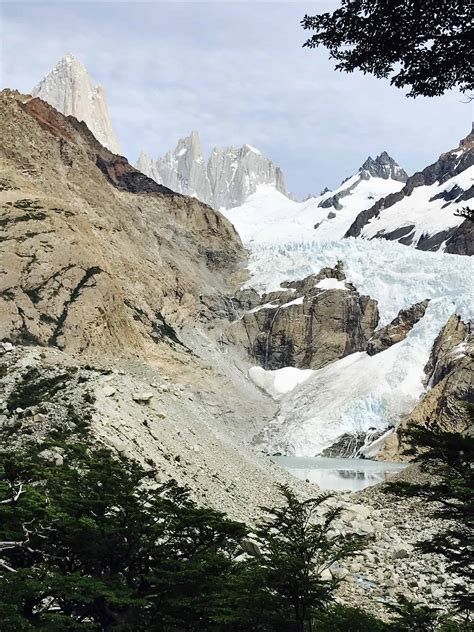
[237, 73]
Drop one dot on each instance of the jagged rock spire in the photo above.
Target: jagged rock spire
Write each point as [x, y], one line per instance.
[69, 89]
[383, 166]
[229, 177]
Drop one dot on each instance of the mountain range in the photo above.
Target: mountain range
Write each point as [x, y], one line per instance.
[202, 336]
[379, 201]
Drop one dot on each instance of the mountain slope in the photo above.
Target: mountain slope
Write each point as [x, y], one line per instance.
[69, 89]
[269, 217]
[226, 180]
[98, 255]
[424, 213]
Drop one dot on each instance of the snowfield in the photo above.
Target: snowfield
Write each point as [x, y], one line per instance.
[428, 215]
[357, 393]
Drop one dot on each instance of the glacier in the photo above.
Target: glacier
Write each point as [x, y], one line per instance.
[359, 393]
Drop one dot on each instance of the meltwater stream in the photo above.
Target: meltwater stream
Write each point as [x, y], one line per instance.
[339, 474]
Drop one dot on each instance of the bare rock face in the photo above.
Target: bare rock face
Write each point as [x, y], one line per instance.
[97, 256]
[450, 373]
[398, 329]
[226, 180]
[69, 89]
[307, 326]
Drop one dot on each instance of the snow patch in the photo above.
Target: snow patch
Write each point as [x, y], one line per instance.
[279, 382]
[331, 284]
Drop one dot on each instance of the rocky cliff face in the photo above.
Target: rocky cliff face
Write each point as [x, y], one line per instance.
[312, 323]
[398, 329]
[229, 177]
[69, 89]
[424, 213]
[383, 166]
[450, 376]
[98, 256]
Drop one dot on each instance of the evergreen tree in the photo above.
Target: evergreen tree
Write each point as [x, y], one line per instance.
[448, 458]
[298, 545]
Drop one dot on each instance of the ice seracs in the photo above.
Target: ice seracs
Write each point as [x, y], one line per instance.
[69, 89]
[228, 177]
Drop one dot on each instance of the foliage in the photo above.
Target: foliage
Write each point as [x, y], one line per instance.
[298, 547]
[420, 45]
[339, 618]
[93, 542]
[412, 617]
[97, 544]
[448, 457]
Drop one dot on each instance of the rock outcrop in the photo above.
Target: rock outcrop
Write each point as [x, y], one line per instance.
[450, 376]
[226, 180]
[383, 166]
[99, 257]
[309, 324]
[398, 329]
[70, 90]
[424, 213]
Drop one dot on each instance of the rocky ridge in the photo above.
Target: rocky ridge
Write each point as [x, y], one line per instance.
[430, 221]
[383, 167]
[397, 330]
[450, 380]
[225, 181]
[70, 90]
[98, 256]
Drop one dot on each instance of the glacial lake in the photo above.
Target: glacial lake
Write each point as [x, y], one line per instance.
[339, 474]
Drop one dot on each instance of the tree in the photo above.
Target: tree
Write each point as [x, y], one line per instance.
[298, 545]
[448, 458]
[424, 45]
[95, 545]
[413, 617]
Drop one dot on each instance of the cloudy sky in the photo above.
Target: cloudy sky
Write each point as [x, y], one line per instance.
[237, 73]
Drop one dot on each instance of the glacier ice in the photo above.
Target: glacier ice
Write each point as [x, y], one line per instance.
[359, 392]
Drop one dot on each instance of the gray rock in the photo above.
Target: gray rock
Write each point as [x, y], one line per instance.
[142, 397]
[251, 547]
[52, 456]
[229, 177]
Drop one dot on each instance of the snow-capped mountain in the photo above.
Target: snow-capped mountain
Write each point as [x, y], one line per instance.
[69, 89]
[424, 214]
[225, 181]
[360, 394]
[268, 216]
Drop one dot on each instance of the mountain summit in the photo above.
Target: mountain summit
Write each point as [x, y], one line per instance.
[384, 166]
[70, 90]
[227, 179]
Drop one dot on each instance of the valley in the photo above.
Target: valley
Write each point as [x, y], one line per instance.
[230, 338]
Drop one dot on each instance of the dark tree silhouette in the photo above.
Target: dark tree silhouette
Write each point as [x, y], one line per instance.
[425, 45]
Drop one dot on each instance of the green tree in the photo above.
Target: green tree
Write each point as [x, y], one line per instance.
[424, 45]
[298, 544]
[448, 458]
[95, 544]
